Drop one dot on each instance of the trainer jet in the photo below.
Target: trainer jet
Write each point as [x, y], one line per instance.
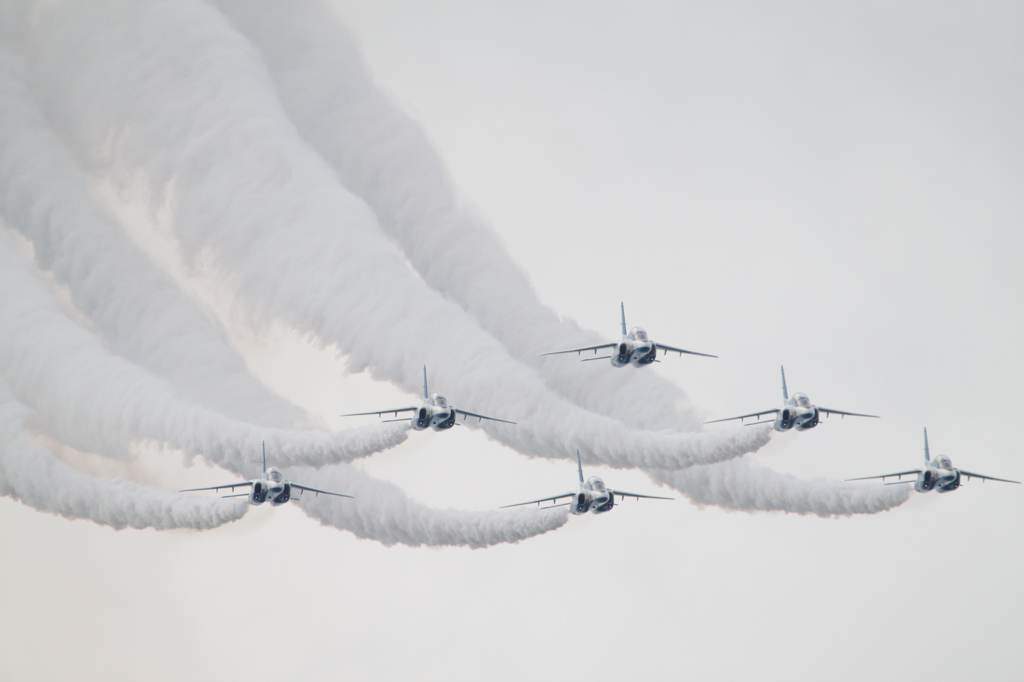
[634, 348]
[938, 474]
[435, 412]
[797, 412]
[592, 496]
[270, 487]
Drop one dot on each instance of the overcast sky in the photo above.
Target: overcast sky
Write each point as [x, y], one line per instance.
[836, 189]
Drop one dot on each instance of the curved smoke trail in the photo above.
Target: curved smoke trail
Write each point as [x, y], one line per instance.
[40, 480]
[226, 205]
[738, 485]
[385, 158]
[138, 309]
[98, 402]
[246, 191]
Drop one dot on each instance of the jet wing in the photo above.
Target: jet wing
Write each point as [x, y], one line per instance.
[968, 474]
[744, 416]
[623, 493]
[466, 413]
[915, 472]
[845, 414]
[218, 487]
[314, 490]
[681, 351]
[383, 412]
[580, 350]
[543, 499]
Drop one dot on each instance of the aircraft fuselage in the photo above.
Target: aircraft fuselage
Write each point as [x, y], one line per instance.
[592, 497]
[435, 413]
[273, 489]
[798, 413]
[939, 476]
[634, 349]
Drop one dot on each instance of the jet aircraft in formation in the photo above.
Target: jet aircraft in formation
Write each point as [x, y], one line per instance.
[796, 412]
[434, 412]
[270, 487]
[634, 348]
[592, 496]
[938, 474]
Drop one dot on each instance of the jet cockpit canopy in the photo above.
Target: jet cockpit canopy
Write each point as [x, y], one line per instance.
[439, 400]
[638, 334]
[595, 483]
[274, 475]
[801, 399]
[943, 462]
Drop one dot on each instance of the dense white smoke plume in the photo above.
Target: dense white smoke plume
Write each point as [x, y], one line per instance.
[99, 402]
[331, 273]
[262, 142]
[35, 476]
[738, 485]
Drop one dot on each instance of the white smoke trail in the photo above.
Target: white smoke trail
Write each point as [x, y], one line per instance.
[738, 485]
[98, 402]
[385, 158]
[140, 311]
[101, 403]
[40, 480]
[382, 512]
[309, 272]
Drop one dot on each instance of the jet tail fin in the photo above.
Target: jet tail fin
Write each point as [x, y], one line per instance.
[264, 459]
[579, 464]
[927, 455]
[785, 392]
[424, 382]
[622, 308]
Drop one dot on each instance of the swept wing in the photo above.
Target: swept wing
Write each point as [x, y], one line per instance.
[580, 350]
[623, 493]
[681, 351]
[845, 414]
[968, 474]
[909, 472]
[383, 412]
[317, 491]
[543, 499]
[745, 416]
[467, 413]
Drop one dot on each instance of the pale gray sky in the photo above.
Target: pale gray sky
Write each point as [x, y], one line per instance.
[836, 189]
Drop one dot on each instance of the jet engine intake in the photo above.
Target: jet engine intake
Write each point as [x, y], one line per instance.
[259, 493]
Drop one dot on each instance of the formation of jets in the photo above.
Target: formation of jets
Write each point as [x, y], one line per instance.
[637, 349]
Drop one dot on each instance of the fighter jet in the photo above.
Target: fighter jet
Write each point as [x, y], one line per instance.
[592, 496]
[795, 412]
[633, 349]
[938, 474]
[435, 412]
[270, 487]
